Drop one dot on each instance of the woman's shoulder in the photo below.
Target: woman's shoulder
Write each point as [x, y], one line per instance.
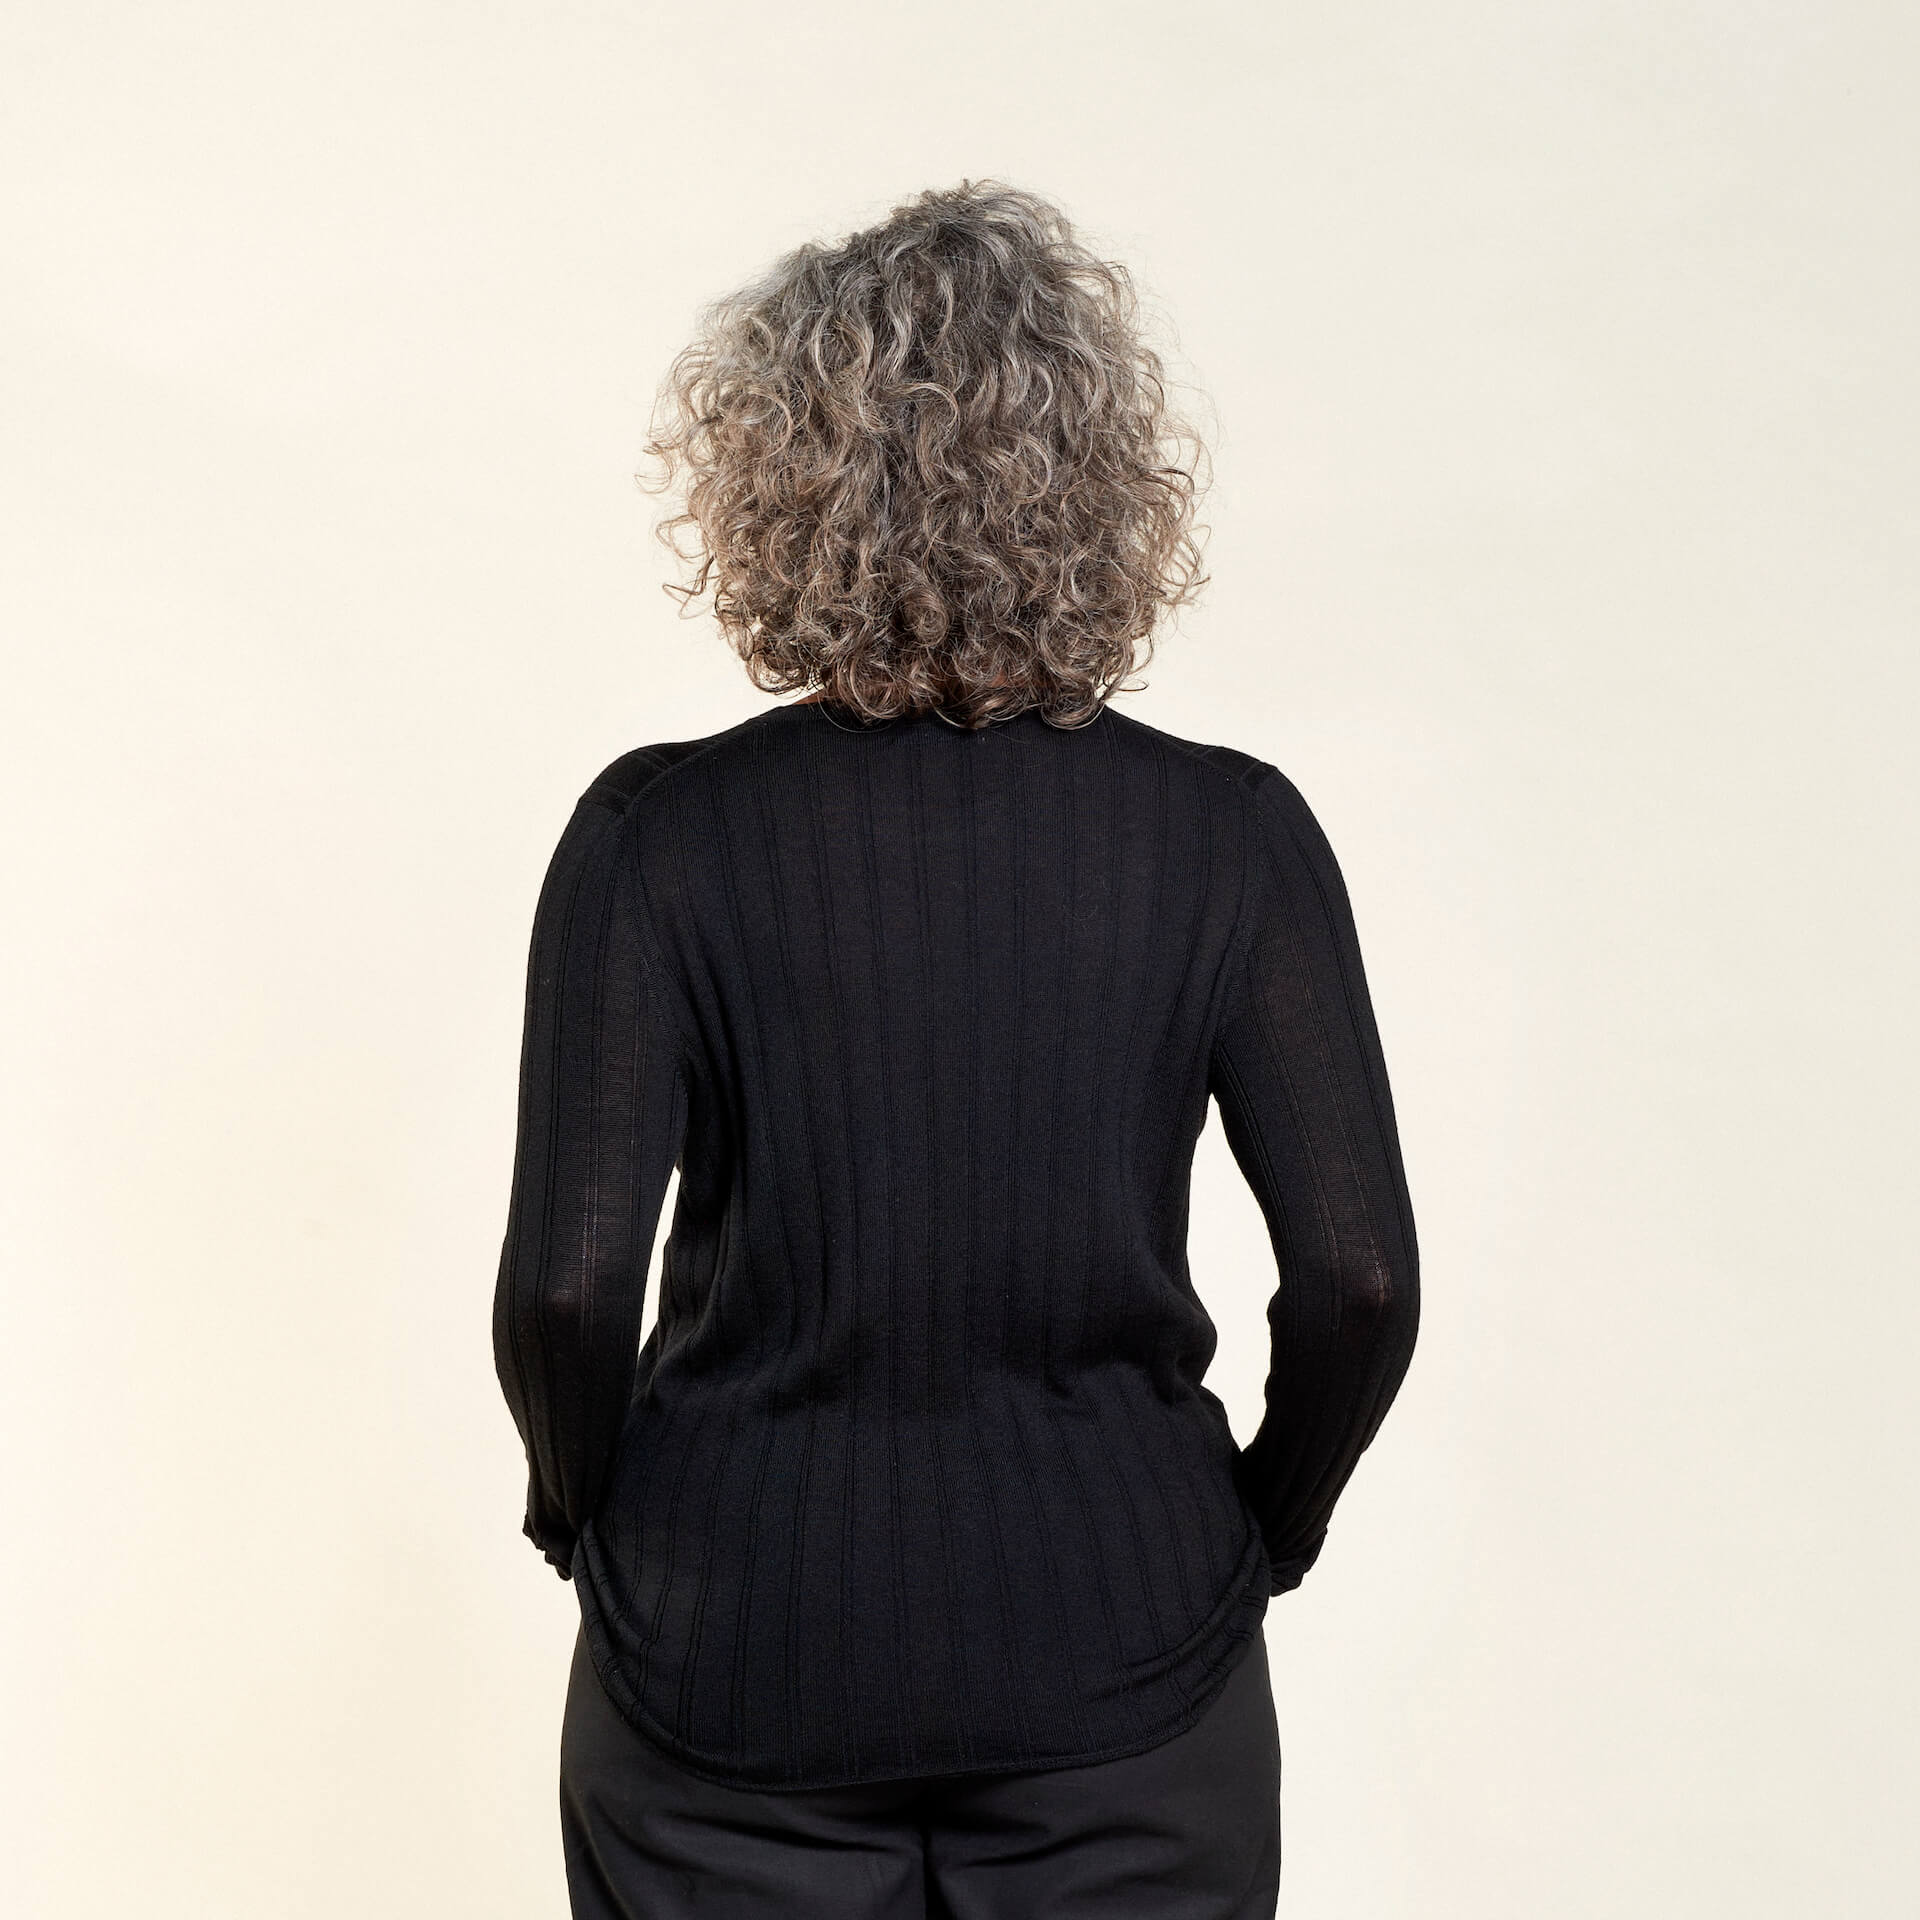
[623, 780]
[1234, 764]
[1270, 798]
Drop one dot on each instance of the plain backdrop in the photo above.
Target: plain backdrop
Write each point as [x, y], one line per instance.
[1559, 362]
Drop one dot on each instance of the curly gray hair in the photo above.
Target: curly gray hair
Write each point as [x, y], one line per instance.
[934, 467]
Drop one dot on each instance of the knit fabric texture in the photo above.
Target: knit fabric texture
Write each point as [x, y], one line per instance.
[916, 1472]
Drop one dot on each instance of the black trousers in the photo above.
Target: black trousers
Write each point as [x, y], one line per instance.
[1189, 1830]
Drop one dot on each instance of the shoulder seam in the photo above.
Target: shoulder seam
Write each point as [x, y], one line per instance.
[1251, 776]
[662, 769]
[1205, 752]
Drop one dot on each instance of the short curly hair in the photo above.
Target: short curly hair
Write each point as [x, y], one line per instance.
[934, 467]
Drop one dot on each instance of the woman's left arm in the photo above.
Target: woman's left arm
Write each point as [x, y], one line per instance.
[602, 1116]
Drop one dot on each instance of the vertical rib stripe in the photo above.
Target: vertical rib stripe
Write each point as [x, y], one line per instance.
[959, 1677]
[1014, 1655]
[885, 1253]
[1063, 1648]
[809, 1318]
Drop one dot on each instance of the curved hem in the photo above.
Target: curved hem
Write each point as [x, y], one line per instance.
[705, 1766]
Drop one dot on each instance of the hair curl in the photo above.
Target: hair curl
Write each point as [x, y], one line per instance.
[934, 466]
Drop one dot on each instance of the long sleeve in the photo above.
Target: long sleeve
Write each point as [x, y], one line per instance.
[602, 1111]
[1306, 1109]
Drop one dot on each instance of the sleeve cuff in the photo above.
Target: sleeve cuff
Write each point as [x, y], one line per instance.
[1289, 1571]
[558, 1548]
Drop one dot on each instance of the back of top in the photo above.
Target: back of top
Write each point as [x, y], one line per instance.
[916, 1472]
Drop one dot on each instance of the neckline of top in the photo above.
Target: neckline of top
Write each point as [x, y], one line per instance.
[842, 720]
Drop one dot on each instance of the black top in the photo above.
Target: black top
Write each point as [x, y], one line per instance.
[916, 1472]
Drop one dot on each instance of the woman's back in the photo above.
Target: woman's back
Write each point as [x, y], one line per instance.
[917, 1472]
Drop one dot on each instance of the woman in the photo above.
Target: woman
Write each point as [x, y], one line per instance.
[918, 1570]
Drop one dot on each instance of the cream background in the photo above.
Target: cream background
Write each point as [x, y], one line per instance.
[1563, 552]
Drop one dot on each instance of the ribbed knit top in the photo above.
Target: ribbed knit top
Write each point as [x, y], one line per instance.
[916, 1472]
